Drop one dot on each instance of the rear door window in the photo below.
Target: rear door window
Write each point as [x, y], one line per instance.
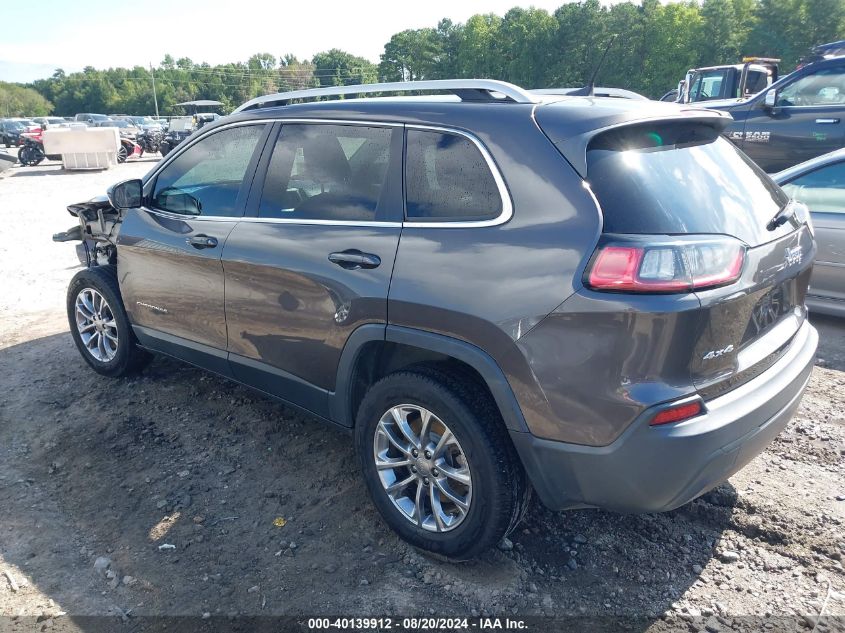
[680, 178]
[448, 179]
[329, 172]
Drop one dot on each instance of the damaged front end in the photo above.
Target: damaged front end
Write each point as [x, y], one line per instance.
[99, 223]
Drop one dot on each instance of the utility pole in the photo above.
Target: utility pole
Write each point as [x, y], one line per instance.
[155, 99]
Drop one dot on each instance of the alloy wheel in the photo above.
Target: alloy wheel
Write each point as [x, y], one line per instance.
[423, 468]
[96, 325]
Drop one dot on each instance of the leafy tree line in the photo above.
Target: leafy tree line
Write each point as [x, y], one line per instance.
[15, 99]
[531, 47]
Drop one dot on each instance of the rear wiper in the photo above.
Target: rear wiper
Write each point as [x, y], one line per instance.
[782, 217]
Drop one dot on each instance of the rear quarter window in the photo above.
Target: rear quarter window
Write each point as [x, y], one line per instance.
[448, 179]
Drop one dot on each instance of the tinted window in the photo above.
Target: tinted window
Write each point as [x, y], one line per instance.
[822, 190]
[447, 178]
[328, 172]
[681, 178]
[825, 87]
[206, 178]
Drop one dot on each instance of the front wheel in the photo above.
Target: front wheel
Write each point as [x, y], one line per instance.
[438, 463]
[99, 325]
[122, 154]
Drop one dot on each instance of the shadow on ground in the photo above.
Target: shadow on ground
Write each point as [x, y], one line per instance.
[267, 514]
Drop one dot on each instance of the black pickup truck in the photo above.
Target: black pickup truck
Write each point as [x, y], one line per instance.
[799, 117]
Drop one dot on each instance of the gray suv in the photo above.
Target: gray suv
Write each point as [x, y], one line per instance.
[600, 300]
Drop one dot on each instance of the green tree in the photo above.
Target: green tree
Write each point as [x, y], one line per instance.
[18, 101]
[337, 68]
[527, 37]
[410, 56]
[479, 50]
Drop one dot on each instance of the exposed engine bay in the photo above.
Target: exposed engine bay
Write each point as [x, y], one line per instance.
[99, 225]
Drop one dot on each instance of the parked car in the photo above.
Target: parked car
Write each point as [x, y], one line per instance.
[799, 117]
[143, 122]
[88, 118]
[10, 132]
[46, 122]
[820, 184]
[598, 299]
[125, 128]
[618, 93]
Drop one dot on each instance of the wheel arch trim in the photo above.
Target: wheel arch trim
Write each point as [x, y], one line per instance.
[340, 404]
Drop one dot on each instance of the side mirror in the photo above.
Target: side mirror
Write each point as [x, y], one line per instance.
[126, 194]
[771, 99]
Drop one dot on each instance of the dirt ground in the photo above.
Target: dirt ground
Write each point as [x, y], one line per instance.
[177, 493]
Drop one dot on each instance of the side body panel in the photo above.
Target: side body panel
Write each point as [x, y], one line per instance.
[828, 280]
[489, 286]
[168, 285]
[777, 138]
[290, 310]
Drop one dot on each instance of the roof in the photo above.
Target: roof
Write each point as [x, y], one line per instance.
[466, 89]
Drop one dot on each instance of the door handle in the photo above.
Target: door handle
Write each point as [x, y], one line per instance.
[202, 241]
[353, 259]
[827, 120]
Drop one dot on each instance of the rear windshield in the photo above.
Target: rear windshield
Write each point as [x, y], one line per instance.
[679, 178]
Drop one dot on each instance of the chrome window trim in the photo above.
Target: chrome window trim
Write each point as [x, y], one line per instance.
[505, 215]
[504, 195]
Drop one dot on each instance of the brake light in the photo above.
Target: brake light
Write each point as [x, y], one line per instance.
[677, 413]
[682, 265]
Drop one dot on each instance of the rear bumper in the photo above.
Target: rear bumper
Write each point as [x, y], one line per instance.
[654, 469]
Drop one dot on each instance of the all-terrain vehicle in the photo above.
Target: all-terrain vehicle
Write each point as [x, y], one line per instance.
[599, 299]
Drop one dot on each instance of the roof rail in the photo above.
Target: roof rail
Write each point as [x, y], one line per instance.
[466, 89]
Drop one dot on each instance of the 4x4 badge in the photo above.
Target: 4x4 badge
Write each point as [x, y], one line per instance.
[793, 256]
[718, 352]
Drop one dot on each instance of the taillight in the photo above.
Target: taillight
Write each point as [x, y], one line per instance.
[657, 264]
[678, 413]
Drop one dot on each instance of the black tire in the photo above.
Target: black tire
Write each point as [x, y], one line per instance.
[122, 154]
[500, 489]
[30, 156]
[128, 358]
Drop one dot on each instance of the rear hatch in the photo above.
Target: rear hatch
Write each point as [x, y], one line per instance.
[686, 212]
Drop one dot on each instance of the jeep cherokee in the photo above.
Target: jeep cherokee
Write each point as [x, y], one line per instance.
[601, 300]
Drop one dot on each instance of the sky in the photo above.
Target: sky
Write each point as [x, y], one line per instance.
[115, 33]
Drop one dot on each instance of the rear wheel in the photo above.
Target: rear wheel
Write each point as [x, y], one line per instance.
[438, 463]
[122, 154]
[99, 325]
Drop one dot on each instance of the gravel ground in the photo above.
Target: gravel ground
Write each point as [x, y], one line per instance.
[177, 493]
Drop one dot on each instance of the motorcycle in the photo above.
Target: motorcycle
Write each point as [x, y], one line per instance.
[172, 139]
[128, 148]
[31, 152]
[150, 140]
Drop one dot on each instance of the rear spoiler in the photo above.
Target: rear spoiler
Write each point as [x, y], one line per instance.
[574, 148]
